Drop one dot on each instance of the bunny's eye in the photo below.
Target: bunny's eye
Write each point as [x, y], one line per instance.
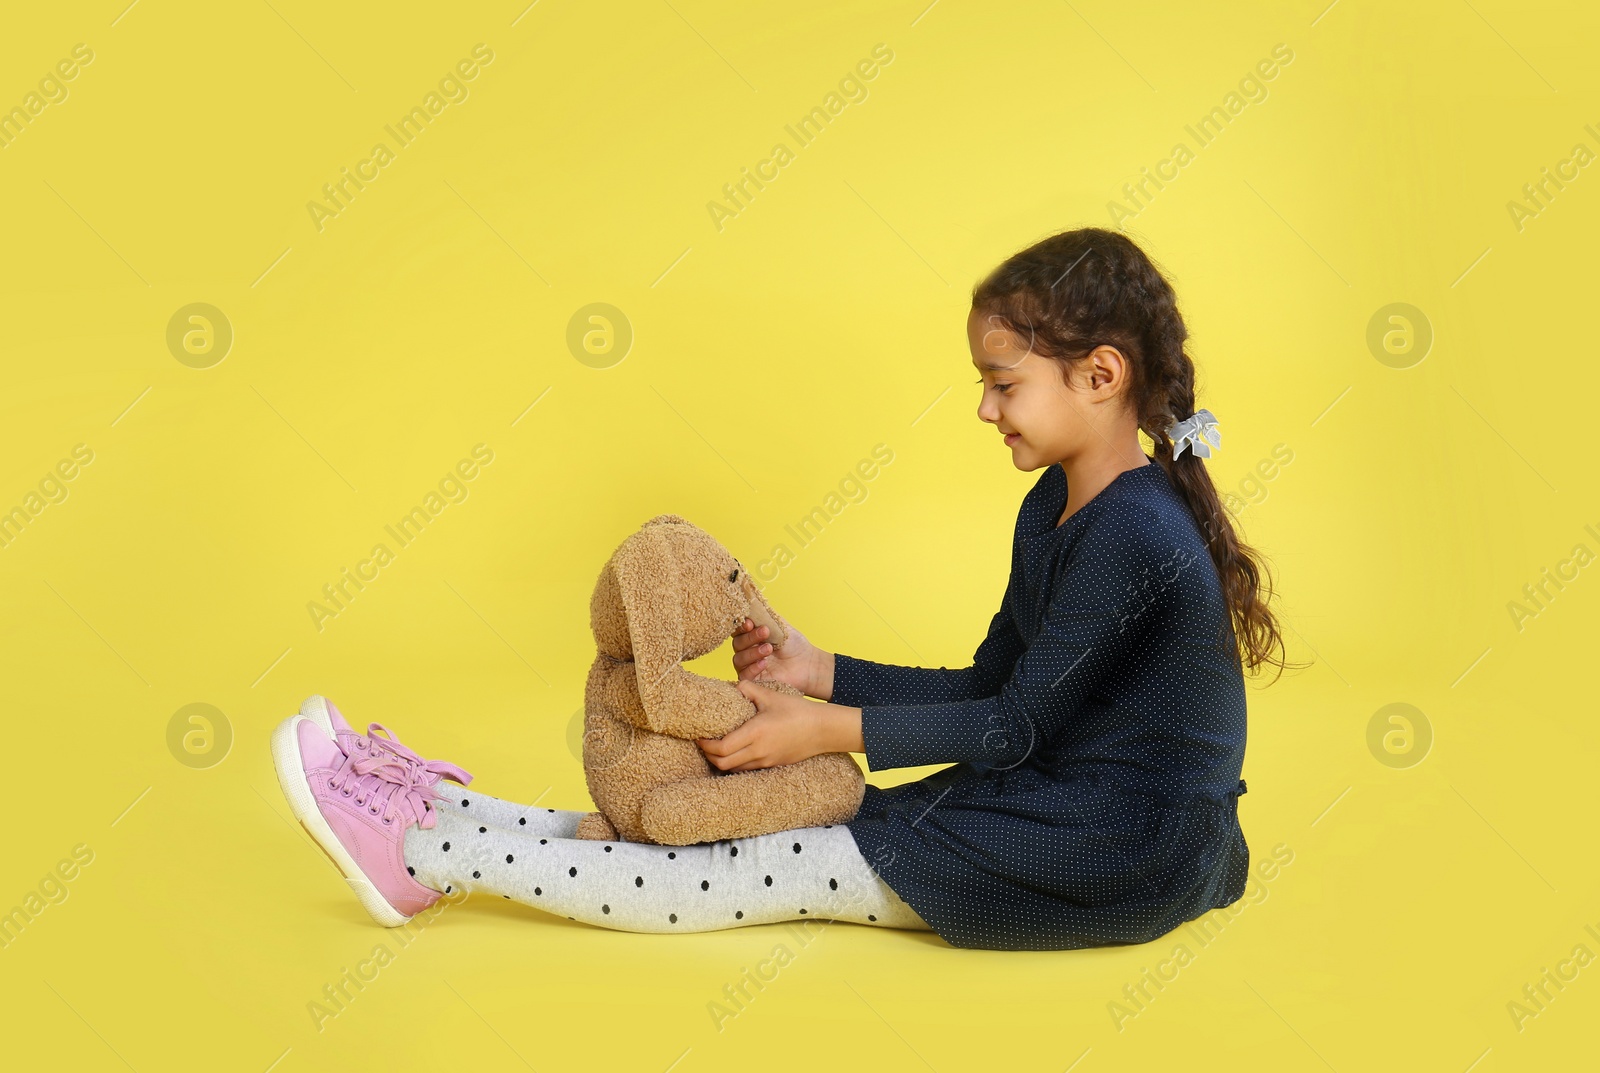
[735, 575]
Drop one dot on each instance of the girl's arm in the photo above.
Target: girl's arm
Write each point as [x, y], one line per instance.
[855, 682]
[1100, 607]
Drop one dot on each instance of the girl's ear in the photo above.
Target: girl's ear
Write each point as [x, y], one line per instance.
[1108, 369]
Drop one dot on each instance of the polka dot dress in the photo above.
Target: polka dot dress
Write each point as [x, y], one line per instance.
[1097, 739]
[529, 855]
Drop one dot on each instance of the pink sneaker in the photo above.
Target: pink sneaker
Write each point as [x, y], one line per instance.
[358, 804]
[321, 711]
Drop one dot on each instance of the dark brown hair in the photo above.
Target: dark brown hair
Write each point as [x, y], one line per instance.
[1071, 292]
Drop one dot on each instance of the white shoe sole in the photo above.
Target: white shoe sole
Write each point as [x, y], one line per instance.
[292, 780]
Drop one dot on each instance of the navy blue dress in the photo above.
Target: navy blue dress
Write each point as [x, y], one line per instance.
[1097, 739]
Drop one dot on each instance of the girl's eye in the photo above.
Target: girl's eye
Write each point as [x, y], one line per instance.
[998, 387]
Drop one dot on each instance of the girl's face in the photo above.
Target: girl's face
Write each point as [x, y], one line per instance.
[1044, 419]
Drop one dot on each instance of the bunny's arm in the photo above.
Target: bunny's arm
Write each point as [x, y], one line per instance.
[692, 706]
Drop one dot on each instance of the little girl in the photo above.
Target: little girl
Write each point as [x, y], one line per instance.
[1095, 743]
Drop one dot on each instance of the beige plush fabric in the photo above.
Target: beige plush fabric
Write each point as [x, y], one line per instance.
[671, 592]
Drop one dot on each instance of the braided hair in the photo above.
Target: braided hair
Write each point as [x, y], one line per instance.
[1077, 290]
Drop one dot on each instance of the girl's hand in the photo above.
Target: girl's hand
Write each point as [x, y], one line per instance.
[785, 730]
[794, 664]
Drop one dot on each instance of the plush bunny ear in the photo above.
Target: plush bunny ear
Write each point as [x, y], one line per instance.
[668, 519]
[647, 578]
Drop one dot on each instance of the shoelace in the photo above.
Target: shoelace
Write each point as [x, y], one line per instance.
[392, 781]
[388, 743]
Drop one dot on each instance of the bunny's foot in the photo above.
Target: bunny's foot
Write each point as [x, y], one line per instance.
[596, 828]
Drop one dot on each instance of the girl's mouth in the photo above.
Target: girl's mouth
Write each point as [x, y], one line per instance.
[1011, 439]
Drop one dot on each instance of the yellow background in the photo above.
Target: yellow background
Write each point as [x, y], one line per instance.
[768, 359]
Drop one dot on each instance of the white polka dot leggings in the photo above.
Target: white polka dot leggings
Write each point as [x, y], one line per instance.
[529, 855]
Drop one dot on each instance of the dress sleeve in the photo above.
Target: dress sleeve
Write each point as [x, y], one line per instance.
[860, 682]
[1101, 603]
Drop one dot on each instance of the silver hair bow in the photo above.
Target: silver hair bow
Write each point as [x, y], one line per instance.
[1196, 432]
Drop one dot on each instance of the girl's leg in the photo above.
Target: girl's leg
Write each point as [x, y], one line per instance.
[807, 873]
[495, 812]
